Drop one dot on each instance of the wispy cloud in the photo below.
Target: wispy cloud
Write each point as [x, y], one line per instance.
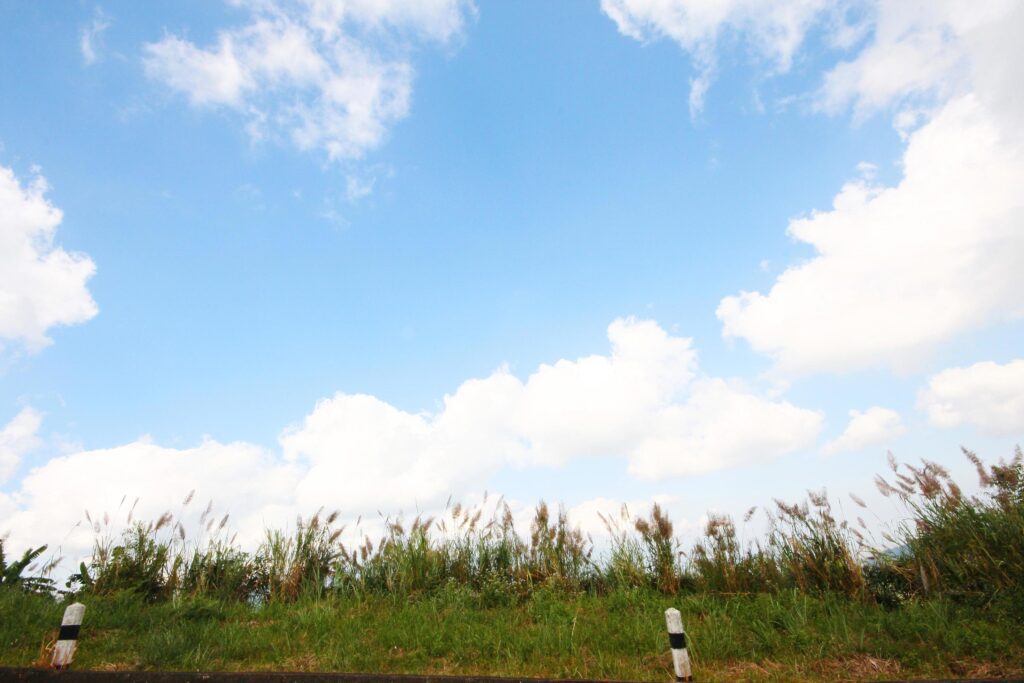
[328, 76]
[776, 28]
[90, 37]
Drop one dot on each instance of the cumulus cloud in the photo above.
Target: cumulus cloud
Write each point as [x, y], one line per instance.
[644, 400]
[776, 29]
[721, 425]
[331, 76]
[896, 269]
[900, 269]
[17, 438]
[870, 427]
[245, 480]
[986, 395]
[41, 284]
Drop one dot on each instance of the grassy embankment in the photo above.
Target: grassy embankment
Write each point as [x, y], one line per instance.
[812, 600]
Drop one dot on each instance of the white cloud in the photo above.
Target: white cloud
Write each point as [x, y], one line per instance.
[918, 50]
[17, 438]
[331, 76]
[776, 29]
[643, 401]
[870, 427]
[897, 269]
[41, 285]
[357, 187]
[986, 395]
[721, 425]
[900, 269]
[239, 478]
[438, 20]
[91, 36]
[206, 76]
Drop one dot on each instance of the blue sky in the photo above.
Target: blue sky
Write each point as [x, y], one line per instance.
[287, 287]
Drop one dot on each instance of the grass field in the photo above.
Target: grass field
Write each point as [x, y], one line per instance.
[462, 595]
[620, 635]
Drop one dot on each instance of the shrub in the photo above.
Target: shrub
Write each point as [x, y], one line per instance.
[14, 574]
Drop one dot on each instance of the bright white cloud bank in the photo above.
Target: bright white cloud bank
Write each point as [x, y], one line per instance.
[643, 400]
[328, 74]
[896, 269]
[986, 395]
[900, 269]
[41, 284]
[240, 478]
[870, 427]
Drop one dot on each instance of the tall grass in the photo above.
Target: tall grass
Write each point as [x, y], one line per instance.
[965, 547]
[463, 548]
[961, 547]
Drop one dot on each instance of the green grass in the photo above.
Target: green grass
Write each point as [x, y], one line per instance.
[814, 599]
[618, 635]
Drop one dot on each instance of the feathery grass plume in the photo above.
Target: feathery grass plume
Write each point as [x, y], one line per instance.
[967, 548]
[814, 552]
[206, 512]
[558, 551]
[162, 521]
[660, 549]
[718, 563]
[624, 566]
[138, 564]
[290, 566]
[951, 544]
[883, 486]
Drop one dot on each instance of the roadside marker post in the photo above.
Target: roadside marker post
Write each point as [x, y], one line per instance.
[67, 639]
[677, 641]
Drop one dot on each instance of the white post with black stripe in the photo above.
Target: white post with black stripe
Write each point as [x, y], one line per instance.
[67, 639]
[677, 641]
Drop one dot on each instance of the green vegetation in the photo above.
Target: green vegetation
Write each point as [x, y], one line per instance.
[15, 574]
[454, 630]
[811, 600]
